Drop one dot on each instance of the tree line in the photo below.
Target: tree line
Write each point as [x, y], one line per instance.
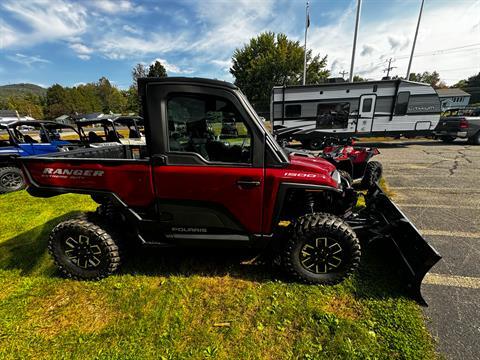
[267, 60]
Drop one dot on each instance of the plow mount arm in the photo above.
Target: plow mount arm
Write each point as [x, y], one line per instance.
[381, 219]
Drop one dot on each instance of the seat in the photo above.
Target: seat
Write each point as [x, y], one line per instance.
[94, 138]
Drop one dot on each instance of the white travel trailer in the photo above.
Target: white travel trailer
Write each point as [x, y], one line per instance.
[374, 108]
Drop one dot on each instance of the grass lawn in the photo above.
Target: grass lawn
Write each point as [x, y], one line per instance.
[175, 304]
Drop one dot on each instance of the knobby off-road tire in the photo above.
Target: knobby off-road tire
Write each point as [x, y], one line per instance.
[323, 249]
[11, 179]
[83, 248]
[372, 175]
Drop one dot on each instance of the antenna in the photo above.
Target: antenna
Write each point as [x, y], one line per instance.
[343, 73]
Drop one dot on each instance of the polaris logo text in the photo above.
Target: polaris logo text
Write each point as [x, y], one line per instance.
[72, 172]
[302, 175]
[189, 230]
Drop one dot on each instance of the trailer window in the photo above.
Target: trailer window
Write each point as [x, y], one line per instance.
[367, 105]
[209, 126]
[292, 111]
[402, 103]
[332, 115]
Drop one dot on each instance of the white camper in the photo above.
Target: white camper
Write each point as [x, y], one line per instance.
[312, 113]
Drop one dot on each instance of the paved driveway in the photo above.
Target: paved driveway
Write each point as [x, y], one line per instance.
[438, 187]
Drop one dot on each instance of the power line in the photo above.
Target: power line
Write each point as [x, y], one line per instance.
[343, 73]
[389, 67]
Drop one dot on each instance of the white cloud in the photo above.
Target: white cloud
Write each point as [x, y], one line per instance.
[84, 56]
[172, 68]
[225, 65]
[115, 6]
[27, 60]
[47, 20]
[442, 27]
[131, 29]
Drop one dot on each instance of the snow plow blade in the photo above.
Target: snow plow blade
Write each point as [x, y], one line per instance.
[417, 256]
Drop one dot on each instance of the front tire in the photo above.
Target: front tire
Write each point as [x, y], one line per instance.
[323, 249]
[11, 179]
[372, 175]
[82, 249]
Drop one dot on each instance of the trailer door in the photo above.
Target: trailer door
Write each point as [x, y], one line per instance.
[366, 111]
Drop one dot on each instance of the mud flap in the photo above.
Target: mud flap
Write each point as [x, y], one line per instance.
[416, 255]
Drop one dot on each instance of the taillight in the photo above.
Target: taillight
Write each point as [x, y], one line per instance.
[463, 124]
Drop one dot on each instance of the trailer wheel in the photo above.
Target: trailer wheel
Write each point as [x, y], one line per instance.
[82, 249]
[11, 179]
[323, 249]
[372, 175]
[315, 144]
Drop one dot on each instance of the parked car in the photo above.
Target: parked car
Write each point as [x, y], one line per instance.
[26, 138]
[460, 123]
[125, 130]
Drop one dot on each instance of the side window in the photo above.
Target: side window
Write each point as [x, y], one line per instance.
[332, 115]
[402, 103]
[293, 111]
[367, 105]
[209, 126]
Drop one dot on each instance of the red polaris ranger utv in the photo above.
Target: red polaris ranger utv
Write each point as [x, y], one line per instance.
[191, 186]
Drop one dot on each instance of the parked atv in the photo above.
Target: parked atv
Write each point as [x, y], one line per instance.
[206, 196]
[26, 138]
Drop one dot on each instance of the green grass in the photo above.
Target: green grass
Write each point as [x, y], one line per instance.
[176, 305]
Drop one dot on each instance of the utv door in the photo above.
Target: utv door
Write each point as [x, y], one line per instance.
[208, 187]
[366, 112]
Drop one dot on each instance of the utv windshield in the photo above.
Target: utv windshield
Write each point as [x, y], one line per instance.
[270, 139]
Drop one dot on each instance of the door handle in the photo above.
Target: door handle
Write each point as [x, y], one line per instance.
[248, 183]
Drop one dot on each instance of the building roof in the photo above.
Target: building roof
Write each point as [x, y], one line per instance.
[451, 92]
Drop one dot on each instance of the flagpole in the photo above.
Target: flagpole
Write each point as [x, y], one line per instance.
[357, 21]
[414, 41]
[307, 24]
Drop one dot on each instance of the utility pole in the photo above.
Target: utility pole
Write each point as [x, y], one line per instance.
[307, 25]
[357, 21]
[343, 73]
[414, 41]
[389, 68]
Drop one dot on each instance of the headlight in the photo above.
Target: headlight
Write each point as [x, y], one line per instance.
[336, 176]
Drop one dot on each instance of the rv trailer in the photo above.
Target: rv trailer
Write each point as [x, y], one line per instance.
[312, 113]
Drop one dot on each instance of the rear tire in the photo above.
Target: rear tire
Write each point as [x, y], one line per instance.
[372, 175]
[475, 139]
[323, 249]
[315, 144]
[11, 179]
[82, 249]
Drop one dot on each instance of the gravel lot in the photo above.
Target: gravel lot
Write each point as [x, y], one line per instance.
[437, 186]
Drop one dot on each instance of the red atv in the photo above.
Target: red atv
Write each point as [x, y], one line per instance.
[353, 162]
[191, 186]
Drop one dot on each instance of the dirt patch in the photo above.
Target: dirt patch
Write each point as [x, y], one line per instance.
[70, 307]
[345, 307]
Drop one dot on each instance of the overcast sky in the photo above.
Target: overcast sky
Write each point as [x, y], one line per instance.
[72, 42]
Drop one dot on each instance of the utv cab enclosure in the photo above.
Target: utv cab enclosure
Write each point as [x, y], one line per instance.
[361, 109]
[191, 186]
[25, 138]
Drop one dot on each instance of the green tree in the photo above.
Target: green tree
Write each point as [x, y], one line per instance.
[272, 59]
[132, 100]
[110, 97]
[432, 78]
[28, 105]
[471, 86]
[357, 78]
[157, 70]
[138, 71]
